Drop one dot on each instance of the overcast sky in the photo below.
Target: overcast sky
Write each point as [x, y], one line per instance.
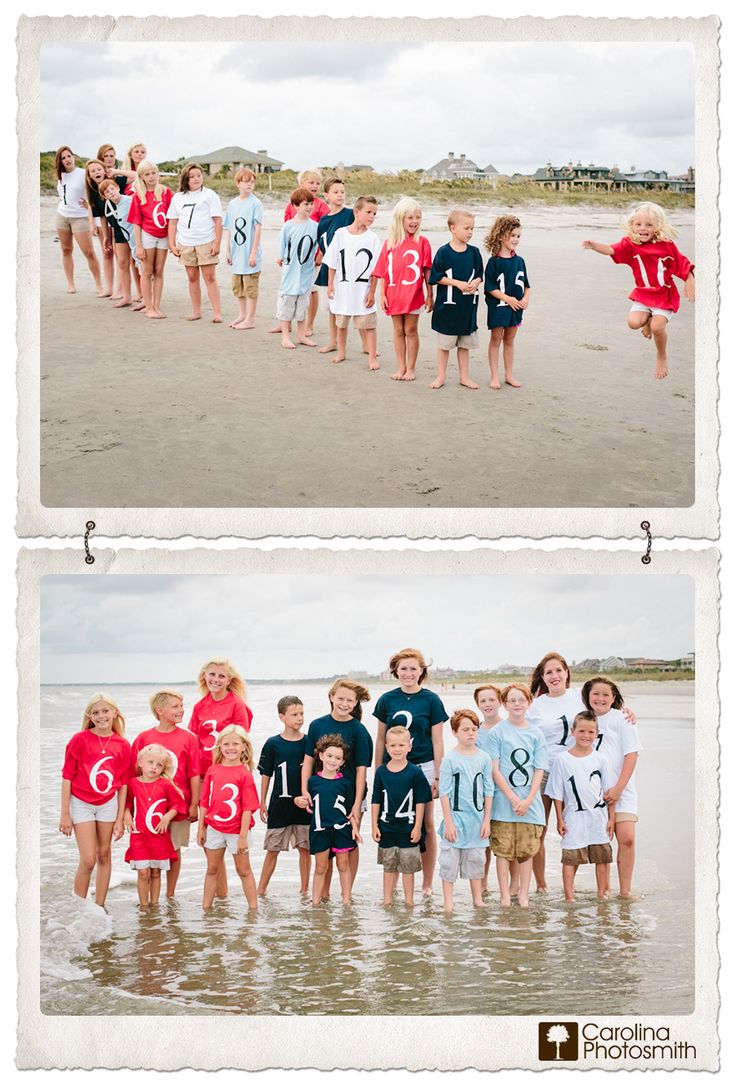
[388, 105]
[157, 628]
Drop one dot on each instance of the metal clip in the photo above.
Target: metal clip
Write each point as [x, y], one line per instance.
[89, 526]
[647, 558]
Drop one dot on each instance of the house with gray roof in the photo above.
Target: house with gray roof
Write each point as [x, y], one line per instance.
[232, 159]
[457, 168]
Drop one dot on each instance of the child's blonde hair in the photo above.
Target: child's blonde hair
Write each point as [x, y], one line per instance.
[663, 230]
[118, 724]
[501, 228]
[398, 732]
[160, 752]
[396, 233]
[246, 757]
[309, 175]
[458, 213]
[139, 185]
[235, 683]
[159, 699]
[128, 160]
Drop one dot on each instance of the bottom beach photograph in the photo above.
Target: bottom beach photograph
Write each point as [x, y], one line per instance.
[373, 794]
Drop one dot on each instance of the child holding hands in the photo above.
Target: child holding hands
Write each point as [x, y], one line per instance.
[400, 794]
[649, 250]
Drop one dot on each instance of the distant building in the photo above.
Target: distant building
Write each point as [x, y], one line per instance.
[458, 167]
[609, 179]
[231, 159]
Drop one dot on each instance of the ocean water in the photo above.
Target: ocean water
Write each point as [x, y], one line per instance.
[607, 957]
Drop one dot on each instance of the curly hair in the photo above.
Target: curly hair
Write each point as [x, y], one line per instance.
[332, 740]
[501, 229]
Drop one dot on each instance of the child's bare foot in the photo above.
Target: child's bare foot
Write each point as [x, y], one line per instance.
[194, 317]
[505, 901]
[150, 313]
[523, 902]
[372, 364]
[306, 341]
[288, 345]
[245, 325]
[122, 303]
[661, 370]
[328, 348]
[217, 319]
[410, 375]
[160, 316]
[308, 332]
[104, 293]
[626, 895]
[480, 904]
[398, 376]
[542, 888]
[71, 289]
[271, 331]
[236, 323]
[604, 895]
[469, 384]
[513, 382]
[437, 383]
[647, 330]
[115, 297]
[496, 385]
[338, 358]
[427, 891]
[569, 897]
[138, 305]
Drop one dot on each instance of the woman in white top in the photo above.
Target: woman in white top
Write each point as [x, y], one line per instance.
[72, 221]
[553, 710]
[195, 234]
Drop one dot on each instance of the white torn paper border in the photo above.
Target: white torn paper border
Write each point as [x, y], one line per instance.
[257, 1042]
[696, 521]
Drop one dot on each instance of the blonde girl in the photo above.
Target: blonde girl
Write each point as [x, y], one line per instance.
[94, 173]
[152, 803]
[403, 268]
[151, 201]
[507, 295]
[132, 159]
[423, 713]
[72, 222]
[649, 250]
[226, 808]
[195, 235]
[96, 767]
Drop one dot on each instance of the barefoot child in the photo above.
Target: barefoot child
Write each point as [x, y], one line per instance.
[288, 825]
[338, 216]
[94, 173]
[457, 271]
[619, 743]
[403, 269]
[150, 202]
[507, 295]
[351, 257]
[466, 794]
[488, 700]
[167, 707]
[334, 829]
[152, 803]
[344, 719]
[519, 757]
[117, 208]
[72, 221]
[242, 228]
[106, 155]
[585, 821]
[400, 794]
[297, 252]
[649, 250]
[93, 790]
[195, 235]
[226, 808]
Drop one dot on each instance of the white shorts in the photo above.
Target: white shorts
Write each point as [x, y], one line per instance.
[639, 307]
[292, 307]
[464, 863]
[156, 865]
[93, 812]
[150, 242]
[427, 769]
[216, 839]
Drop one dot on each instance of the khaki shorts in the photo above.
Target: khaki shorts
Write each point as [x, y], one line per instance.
[79, 225]
[362, 322]
[623, 816]
[591, 854]
[515, 840]
[285, 837]
[463, 863]
[449, 343]
[246, 286]
[292, 307]
[197, 256]
[405, 860]
[180, 833]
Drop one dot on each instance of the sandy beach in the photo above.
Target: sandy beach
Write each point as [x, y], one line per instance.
[172, 413]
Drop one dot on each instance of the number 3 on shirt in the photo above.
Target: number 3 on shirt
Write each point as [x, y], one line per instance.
[413, 265]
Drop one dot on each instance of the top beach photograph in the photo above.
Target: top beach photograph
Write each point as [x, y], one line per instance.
[374, 277]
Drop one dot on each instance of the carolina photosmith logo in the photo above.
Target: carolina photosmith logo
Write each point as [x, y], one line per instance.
[561, 1041]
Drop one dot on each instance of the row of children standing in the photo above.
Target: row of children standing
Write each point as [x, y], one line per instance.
[490, 787]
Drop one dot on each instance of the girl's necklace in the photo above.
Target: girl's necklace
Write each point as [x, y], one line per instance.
[149, 795]
[104, 746]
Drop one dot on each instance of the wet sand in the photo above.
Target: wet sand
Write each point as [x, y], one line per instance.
[172, 413]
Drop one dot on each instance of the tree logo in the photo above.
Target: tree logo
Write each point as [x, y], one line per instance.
[558, 1041]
